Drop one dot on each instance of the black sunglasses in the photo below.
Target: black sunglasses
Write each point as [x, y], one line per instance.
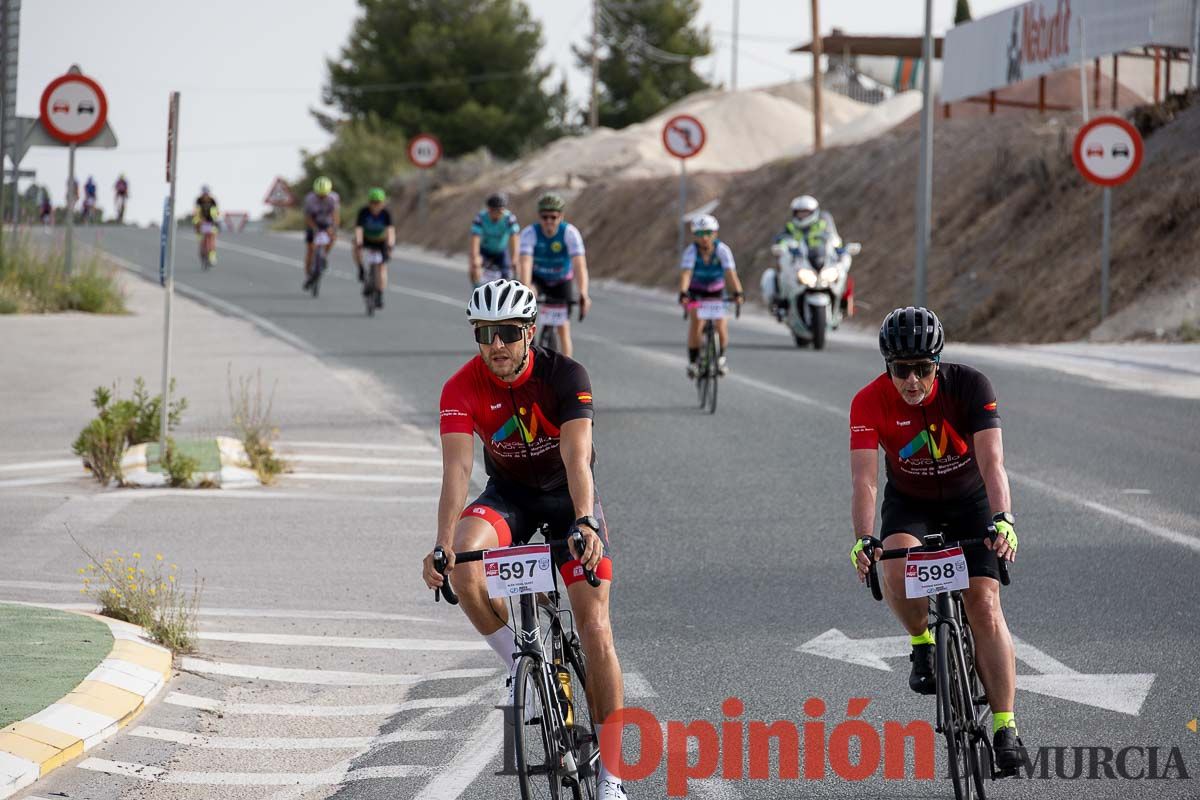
[923, 369]
[551, 216]
[486, 334]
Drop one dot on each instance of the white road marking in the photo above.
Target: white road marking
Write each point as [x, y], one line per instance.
[265, 613]
[363, 477]
[36, 465]
[287, 743]
[1136, 491]
[303, 640]
[636, 685]
[294, 710]
[398, 448]
[477, 753]
[45, 585]
[16, 483]
[154, 774]
[325, 677]
[302, 458]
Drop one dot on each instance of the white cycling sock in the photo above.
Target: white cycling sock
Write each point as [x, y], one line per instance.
[605, 775]
[505, 646]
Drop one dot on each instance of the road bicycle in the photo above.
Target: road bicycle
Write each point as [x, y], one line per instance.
[373, 260]
[550, 739]
[962, 706]
[321, 243]
[707, 373]
[208, 244]
[551, 317]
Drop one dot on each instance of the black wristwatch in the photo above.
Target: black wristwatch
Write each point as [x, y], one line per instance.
[1005, 516]
[590, 521]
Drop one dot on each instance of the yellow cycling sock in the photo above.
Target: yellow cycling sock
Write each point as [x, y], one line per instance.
[924, 638]
[1003, 719]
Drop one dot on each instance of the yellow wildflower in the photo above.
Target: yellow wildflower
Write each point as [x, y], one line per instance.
[151, 591]
[137, 555]
[120, 561]
[83, 591]
[174, 566]
[171, 578]
[81, 570]
[158, 556]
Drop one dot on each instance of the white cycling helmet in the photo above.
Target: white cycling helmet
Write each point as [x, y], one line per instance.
[502, 299]
[806, 210]
[705, 222]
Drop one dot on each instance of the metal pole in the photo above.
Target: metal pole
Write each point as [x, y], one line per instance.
[1083, 71]
[172, 171]
[1105, 252]
[421, 210]
[679, 240]
[734, 66]
[70, 215]
[16, 197]
[1195, 60]
[594, 110]
[925, 174]
[817, 46]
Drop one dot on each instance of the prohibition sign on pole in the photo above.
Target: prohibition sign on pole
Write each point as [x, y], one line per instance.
[424, 150]
[1108, 151]
[73, 108]
[683, 136]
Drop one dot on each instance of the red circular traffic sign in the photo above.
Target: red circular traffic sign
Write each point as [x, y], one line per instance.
[683, 136]
[1108, 151]
[73, 108]
[424, 150]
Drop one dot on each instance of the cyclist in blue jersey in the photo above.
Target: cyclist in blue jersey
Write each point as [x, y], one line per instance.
[493, 245]
[707, 263]
[552, 257]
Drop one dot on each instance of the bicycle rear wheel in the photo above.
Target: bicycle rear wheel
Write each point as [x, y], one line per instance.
[582, 729]
[536, 744]
[712, 370]
[318, 270]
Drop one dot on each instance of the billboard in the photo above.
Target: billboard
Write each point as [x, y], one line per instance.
[1043, 36]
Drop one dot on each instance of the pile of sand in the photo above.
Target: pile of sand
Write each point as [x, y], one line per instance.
[745, 129]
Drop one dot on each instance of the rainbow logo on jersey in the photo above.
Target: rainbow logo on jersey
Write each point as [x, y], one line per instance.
[529, 432]
[939, 448]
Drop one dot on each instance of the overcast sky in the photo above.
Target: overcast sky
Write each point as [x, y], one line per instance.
[249, 71]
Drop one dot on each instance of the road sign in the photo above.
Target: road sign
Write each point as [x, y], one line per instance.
[172, 132]
[1108, 151]
[235, 221]
[73, 108]
[424, 150]
[683, 136]
[31, 133]
[279, 195]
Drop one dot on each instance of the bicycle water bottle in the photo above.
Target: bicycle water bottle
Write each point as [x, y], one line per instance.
[564, 694]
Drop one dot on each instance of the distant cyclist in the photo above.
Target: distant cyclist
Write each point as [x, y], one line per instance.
[707, 264]
[322, 212]
[552, 257]
[89, 200]
[120, 196]
[374, 231]
[940, 432]
[206, 221]
[46, 208]
[493, 245]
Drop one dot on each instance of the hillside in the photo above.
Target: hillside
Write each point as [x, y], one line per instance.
[1016, 238]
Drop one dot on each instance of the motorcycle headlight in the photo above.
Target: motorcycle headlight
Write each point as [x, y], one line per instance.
[806, 277]
[830, 274]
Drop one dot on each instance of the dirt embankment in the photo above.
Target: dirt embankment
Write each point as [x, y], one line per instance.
[1016, 231]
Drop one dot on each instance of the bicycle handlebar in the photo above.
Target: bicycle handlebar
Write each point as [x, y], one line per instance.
[691, 296]
[870, 543]
[447, 591]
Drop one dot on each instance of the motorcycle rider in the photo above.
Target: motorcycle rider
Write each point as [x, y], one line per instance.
[815, 227]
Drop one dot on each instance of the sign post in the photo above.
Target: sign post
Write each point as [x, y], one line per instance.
[424, 151]
[169, 282]
[683, 135]
[1107, 152]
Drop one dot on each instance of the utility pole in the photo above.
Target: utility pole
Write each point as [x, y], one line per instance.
[594, 112]
[925, 173]
[734, 66]
[816, 80]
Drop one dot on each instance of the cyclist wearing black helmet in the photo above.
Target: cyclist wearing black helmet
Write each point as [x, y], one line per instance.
[940, 432]
[493, 244]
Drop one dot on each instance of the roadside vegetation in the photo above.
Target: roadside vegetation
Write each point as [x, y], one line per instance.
[250, 410]
[121, 423]
[145, 592]
[33, 281]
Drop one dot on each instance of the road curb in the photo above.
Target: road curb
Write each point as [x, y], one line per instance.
[111, 695]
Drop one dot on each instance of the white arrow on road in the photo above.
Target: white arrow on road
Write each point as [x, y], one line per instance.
[1124, 693]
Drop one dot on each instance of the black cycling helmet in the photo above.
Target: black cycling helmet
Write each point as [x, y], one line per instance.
[911, 332]
[497, 200]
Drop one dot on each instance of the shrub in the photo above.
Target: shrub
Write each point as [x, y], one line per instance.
[178, 467]
[148, 417]
[252, 424]
[33, 280]
[122, 423]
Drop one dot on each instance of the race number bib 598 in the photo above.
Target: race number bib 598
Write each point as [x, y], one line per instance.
[512, 571]
[939, 571]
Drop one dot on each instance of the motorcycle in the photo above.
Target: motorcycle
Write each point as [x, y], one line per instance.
[812, 288]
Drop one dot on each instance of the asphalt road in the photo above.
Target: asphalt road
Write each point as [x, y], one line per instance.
[730, 532]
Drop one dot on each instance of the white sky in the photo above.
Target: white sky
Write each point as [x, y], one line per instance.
[249, 70]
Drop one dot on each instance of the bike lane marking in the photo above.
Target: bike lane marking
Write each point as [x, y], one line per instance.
[295, 710]
[146, 772]
[324, 677]
[305, 640]
[282, 743]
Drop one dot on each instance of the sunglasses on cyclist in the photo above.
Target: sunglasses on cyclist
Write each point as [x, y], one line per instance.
[703, 233]
[923, 369]
[550, 216]
[486, 334]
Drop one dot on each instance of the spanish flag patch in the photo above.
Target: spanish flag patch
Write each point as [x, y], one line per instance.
[584, 397]
[990, 406]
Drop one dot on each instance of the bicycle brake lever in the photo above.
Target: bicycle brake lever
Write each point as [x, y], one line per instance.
[577, 542]
[445, 590]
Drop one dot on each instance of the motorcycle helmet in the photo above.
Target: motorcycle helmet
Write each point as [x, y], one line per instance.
[806, 210]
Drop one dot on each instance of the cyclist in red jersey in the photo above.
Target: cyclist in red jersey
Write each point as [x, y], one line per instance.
[532, 409]
[939, 429]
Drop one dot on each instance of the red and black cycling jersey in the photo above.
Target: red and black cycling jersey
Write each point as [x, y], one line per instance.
[938, 434]
[519, 422]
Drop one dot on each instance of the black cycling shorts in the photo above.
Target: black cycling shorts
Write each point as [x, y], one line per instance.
[516, 512]
[966, 517]
[498, 262]
[704, 293]
[310, 232]
[564, 293]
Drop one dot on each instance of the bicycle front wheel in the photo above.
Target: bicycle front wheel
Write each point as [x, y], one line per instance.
[536, 742]
[950, 695]
[712, 370]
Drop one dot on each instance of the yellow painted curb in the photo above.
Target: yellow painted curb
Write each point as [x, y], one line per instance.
[88, 714]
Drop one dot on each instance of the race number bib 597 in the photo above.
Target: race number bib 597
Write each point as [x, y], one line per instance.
[939, 571]
[512, 571]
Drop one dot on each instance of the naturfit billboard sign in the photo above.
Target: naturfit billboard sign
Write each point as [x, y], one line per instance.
[1043, 36]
